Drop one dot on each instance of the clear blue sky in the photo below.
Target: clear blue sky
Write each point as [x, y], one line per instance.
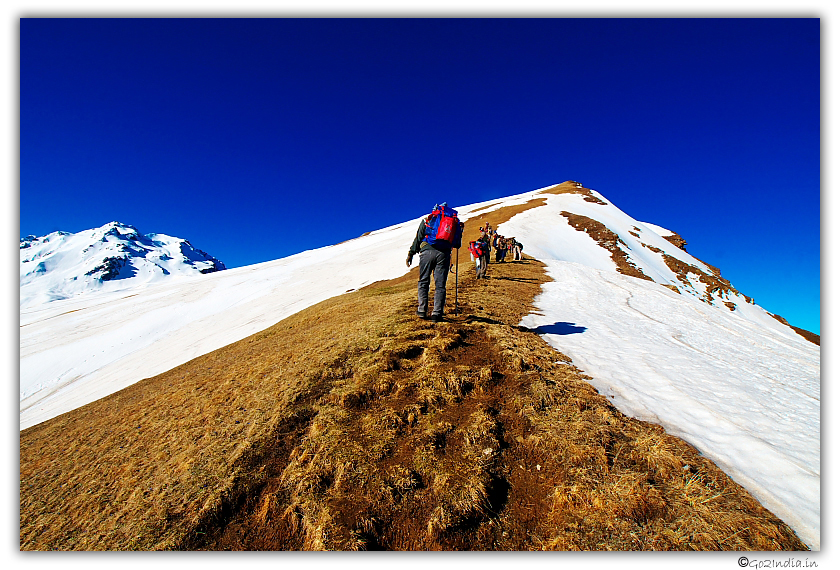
[256, 139]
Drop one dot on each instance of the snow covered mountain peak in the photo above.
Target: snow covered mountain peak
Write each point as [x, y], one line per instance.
[112, 257]
[117, 229]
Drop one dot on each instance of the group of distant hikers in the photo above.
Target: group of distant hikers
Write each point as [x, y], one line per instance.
[437, 235]
[489, 240]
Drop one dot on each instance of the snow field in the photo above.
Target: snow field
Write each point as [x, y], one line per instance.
[740, 387]
[78, 350]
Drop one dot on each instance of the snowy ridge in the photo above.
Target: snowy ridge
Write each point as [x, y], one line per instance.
[676, 344]
[113, 257]
[738, 385]
[548, 235]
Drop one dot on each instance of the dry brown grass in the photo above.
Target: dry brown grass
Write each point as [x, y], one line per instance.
[715, 284]
[571, 187]
[677, 240]
[609, 240]
[807, 335]
[353, 425]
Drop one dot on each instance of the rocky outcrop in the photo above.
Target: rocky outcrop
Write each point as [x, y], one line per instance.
[109, 268]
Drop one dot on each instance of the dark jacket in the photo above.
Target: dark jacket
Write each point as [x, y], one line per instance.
[486, 240]
[419, 244]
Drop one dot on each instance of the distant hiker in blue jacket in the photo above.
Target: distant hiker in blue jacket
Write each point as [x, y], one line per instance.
[437, 234]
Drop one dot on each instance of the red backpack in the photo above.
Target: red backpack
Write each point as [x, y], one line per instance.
[477, 248]
[443, 227]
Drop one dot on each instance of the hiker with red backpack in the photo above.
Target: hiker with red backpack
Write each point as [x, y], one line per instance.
[480, 250]
[437, 234]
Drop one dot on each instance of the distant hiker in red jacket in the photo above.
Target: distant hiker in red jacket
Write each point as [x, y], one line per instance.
[480, 250]
[436, 235]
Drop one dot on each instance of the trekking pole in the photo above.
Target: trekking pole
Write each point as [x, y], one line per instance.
[457, 251]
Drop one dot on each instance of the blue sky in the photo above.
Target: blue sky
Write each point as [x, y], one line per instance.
[259, 138]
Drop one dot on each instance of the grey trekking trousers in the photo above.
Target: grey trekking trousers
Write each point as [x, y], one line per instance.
[432, 260]
[481, 266]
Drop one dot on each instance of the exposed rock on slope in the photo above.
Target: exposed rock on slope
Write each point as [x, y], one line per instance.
[609, 241]
[686, 273]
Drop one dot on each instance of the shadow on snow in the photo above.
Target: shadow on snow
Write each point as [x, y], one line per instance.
[559, 328]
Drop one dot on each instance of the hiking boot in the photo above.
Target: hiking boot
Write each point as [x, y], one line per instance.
[422, 316]
[436, 318]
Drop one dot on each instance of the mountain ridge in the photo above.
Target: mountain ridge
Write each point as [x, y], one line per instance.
[352, 425]
[112, 257]
[588, 303]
